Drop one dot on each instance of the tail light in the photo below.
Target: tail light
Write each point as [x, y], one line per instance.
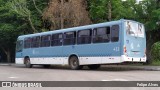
[124, 49]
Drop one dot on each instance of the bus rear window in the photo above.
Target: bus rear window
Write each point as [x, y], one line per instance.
[134, 29]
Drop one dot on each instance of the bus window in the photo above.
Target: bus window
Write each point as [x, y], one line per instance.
[35, 42]
[115, 33]
[84, 37]
[69, 38]
[27, 43]
[45, 41]
[101, 35]
[19, 46]
[57, 39]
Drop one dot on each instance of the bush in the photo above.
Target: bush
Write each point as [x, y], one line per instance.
[155, 51]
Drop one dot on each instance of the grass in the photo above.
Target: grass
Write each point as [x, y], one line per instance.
[156, 63]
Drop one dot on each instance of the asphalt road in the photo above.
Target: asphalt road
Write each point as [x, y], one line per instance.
[60, 73]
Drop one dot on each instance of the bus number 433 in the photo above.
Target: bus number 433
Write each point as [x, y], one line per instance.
[116, 49]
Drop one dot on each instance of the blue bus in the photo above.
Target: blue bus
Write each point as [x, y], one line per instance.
[91, 45]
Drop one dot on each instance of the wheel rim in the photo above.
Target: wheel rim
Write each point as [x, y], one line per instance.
[74, 63]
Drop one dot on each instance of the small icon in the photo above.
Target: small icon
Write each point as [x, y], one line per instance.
[6, 84]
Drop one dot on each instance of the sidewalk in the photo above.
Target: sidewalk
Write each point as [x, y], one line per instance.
[151, 68]
[134, 67]
[128, 67]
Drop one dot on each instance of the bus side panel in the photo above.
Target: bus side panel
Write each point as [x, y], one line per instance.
[97, 53]
[45, 55]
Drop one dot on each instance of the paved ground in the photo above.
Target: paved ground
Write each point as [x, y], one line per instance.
[59, 73]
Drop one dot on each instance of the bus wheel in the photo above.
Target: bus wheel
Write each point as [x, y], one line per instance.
[94, 67]
[28, 63]
[74, 63]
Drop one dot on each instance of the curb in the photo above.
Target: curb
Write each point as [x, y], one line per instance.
[6, 64]
[127, 67]
[148, 68]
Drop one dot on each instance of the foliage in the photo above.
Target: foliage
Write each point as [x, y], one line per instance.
[155, 51]
[30, 11]
[16, 18]
[147, 11]
[9, 25]
[99, 9]
[155, 63]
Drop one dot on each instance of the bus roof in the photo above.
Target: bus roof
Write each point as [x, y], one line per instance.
[74, 28]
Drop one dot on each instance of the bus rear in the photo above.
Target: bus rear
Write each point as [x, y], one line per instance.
[134, 48]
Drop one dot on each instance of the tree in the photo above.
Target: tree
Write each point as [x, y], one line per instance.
[18, 17]
[20, 7]
[98, 10]
[29, 10]
[66, 13]
[8, 35]
[104, 10]
[8, 29]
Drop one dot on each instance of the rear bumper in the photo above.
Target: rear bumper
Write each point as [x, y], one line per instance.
[133, 59]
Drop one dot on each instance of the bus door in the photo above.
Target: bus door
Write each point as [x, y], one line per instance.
[19, 48]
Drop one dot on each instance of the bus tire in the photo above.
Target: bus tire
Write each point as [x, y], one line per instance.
[28, 63]
[94, 67]
[74, 63]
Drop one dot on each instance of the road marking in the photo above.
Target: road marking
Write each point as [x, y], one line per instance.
[13, 77]
[105, 80]
[118, 79]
